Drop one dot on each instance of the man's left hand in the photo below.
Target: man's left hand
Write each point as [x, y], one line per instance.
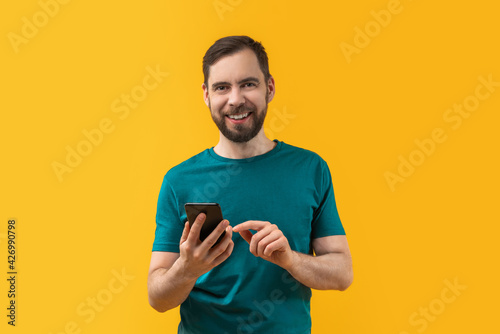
[268, 242]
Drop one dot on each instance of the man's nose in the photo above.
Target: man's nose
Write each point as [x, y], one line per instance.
[236, 97]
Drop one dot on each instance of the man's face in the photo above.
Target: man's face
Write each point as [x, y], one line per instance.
[237, 95]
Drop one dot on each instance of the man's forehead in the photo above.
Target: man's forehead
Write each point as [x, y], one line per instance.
[235, 67]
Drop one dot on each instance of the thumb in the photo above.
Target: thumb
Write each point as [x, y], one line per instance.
[247, 235]
[185, 233]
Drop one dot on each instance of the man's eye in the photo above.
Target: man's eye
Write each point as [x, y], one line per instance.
[249, 84]
[220, 88]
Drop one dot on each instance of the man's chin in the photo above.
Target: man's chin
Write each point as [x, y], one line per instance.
[243, 132]
[239, 138]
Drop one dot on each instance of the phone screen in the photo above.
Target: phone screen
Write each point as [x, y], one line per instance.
[213, 214]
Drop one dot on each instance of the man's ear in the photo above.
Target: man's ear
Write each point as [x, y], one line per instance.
[271, 89]
[205, 94]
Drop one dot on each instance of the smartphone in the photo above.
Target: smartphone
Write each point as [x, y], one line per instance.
[213, 214]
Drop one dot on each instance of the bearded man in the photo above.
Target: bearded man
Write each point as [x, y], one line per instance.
[283, 235]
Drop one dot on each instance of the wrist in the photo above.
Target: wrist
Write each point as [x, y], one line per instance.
[182, 273]
[293, 262]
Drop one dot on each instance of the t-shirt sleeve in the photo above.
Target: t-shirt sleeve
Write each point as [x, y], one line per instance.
[326, 220]
[168, 222]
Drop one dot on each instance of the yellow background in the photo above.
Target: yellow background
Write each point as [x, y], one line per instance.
[440, 224]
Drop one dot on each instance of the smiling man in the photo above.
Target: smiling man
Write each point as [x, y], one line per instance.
[283, 235]
[239, 106]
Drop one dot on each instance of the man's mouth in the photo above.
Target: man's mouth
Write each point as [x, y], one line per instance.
[239, 116]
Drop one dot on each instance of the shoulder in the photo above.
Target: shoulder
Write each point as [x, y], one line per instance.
[187, 165]
[306, 162]
[302, 154]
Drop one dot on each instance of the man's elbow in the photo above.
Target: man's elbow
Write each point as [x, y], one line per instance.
[346, 282]
[157, 303]
[157, 306]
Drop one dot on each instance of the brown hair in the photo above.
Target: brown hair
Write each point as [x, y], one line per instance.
[229, 45]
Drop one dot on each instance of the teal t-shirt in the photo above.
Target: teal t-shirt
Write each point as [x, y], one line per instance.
[287, 186]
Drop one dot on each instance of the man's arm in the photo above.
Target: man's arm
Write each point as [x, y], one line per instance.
[167, 287]
[172, 275]
[331, 268]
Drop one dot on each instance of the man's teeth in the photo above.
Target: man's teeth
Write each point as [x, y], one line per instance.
[238, 116]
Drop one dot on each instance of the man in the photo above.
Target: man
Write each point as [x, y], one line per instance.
[250, 282]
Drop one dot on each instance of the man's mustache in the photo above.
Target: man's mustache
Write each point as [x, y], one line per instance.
[241, 109]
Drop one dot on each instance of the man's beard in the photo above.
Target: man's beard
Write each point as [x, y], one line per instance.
[242, 132]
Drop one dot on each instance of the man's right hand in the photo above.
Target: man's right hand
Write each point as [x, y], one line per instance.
[197, 257]
[172, 276]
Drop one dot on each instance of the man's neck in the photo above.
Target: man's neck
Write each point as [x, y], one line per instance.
[258, 145]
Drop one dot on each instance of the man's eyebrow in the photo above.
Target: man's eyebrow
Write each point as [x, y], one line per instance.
[226, 83]
[249, 79]
[220, 83]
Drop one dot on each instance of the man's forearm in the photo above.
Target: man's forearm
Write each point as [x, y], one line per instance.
[332, 271]
[168, 288]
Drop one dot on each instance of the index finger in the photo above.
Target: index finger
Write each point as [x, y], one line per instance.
[256, 225]
[194, 233]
